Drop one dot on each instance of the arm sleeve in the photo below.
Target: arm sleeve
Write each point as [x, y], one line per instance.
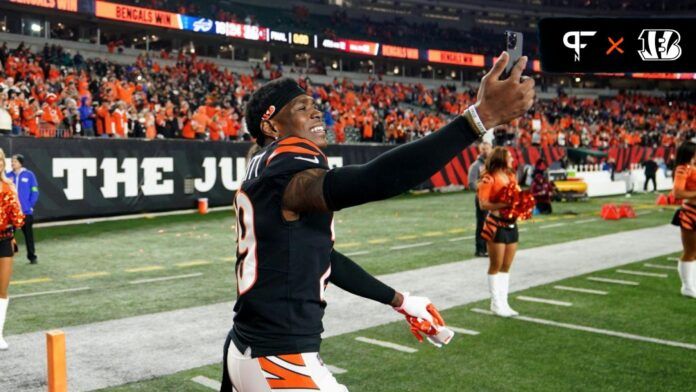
[484, 188]
[397, 170]
[349, 276]
[680, 175]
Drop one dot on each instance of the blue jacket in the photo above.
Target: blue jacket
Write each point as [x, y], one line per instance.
[27, 189]
[86, 113]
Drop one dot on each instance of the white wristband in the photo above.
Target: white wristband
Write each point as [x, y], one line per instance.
[476, 120]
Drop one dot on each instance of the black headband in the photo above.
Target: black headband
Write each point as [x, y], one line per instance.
[280, 98]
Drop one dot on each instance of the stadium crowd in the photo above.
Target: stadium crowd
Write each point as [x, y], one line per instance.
[54, 93]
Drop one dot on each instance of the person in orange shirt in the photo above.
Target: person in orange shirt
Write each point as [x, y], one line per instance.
[367, 133]
[501, 235]
[125, 92]
[103, 120]
[685, 217]
[52, 115]
[199, 122]
[149, 124]
[119, 121]
[30, 117]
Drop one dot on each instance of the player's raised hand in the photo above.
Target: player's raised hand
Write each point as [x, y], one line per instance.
[424, 320]
[500, 101]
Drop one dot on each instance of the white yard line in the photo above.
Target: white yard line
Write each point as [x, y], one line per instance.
[544, 301]
[586, 221]
[600, 331]
[580, 290]
[469, 237]
[358, 253]
[336, 369]
[464, 331]
[615, 281]
[207, 382]
[25, 295]
[668, 267]
[140, 281]
[640, 273]
[382, 343]
[552, 225]
[673, 258]
[126, 217]
[408, 246]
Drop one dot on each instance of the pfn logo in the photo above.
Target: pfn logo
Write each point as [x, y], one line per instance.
[660, 45]
[575, 44]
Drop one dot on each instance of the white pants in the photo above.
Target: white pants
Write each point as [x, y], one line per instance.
[286, 373]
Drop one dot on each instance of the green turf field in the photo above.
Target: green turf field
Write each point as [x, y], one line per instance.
[517, 355]
[106, 260]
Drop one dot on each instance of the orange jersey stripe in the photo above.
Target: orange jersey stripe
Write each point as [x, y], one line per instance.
[285, 378]
[295, 149]
[295, 359]
[297, 140]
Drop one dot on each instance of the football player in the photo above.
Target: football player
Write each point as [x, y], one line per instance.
[285, 205]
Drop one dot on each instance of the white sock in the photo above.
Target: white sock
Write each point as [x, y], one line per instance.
[686, 273]
[4, 302]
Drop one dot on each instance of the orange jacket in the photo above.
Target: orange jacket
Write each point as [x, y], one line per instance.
[52, 114]
[119, 123]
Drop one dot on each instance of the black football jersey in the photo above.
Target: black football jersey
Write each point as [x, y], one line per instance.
[282, 266]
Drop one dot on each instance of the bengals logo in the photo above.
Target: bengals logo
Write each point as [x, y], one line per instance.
[660, 45]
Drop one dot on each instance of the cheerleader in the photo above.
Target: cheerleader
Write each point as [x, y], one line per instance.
[11, 218]
[500, 234]
[685, 217]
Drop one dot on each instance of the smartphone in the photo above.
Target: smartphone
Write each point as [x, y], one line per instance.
[513, 46]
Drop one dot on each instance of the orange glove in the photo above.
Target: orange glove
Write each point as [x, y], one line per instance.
[424, 319]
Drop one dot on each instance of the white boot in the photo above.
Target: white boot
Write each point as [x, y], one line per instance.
[3, 311]
[504, 289]
[687, 273]
[497, 306]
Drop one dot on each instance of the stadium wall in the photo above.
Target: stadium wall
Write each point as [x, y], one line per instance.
[81, 178]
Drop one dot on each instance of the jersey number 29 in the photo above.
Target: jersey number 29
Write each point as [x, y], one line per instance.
[246, 243]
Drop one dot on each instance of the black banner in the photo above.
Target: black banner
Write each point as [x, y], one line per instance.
[99, 177]
[618, 44]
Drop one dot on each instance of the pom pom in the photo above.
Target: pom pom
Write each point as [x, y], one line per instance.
[521, 203]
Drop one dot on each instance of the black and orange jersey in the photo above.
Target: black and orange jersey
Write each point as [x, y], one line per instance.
[282, 266]
[685, 178]
[491, 184]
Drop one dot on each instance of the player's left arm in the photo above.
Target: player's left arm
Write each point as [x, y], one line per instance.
[349, 276]
[421, 314]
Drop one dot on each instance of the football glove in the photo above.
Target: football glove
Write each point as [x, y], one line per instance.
[424, 320]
